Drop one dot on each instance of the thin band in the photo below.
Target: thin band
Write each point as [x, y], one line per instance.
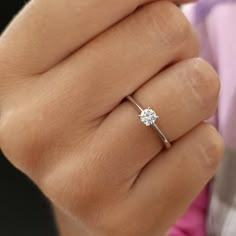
[154, 125]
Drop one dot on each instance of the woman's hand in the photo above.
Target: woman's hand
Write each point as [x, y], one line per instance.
[65, 68]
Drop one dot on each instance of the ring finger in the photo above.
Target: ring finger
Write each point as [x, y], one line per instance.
[183, 96]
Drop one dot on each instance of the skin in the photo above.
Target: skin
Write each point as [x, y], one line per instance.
[65, 69]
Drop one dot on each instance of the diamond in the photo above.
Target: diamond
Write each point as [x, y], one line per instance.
[148, 116]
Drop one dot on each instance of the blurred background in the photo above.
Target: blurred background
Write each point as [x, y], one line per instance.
[23, 209]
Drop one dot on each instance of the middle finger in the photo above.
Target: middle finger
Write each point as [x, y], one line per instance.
[126, 56]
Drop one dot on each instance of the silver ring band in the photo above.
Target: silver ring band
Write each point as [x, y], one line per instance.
[149, 117]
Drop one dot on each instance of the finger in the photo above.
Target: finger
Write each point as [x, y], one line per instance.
[48, 31]
[125, 57]
[183, 96]
[172, 180]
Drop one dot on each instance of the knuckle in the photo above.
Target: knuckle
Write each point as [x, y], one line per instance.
[22, 140]
[213, 146]
[14, 141]
[204, 83]
[166, 18]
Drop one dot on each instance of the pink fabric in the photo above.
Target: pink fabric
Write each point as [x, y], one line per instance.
[193, 222]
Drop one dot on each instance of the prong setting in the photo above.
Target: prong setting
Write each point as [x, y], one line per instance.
[148, 116]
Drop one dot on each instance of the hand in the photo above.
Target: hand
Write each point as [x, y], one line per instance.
[65, 69]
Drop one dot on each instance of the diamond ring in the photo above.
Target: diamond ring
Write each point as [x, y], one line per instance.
[149, 117]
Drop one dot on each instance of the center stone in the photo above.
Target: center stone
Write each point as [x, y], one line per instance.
[148, 116]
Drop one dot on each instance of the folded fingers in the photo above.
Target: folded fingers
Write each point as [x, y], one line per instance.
[119, 61]
[49, 31]
[183, 96]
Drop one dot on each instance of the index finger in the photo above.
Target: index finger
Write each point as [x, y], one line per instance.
[49, 31]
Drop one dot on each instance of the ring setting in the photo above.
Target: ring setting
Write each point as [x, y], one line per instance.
[149, 117]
